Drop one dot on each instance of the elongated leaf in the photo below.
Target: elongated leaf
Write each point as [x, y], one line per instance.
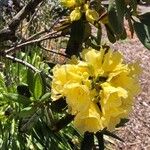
[14, 144]
[91, 43]
[121, 8]
[133, 4]
[45, 97]
[145, 18]
[38, 86]
[122, 122]
[143, 33]
[27, 123]
[108, 133]
[88, 141]
[74, 44]
[17, 98]
[110, 34]
[87, 32]
[99, 35]
[23, 90]
[63, 122]
[113, 17]
[59, 105]
[100, 138]
[26, 112]
[30, 80]
[116, 12]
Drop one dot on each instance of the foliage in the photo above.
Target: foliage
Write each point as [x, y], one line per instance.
[33, 37]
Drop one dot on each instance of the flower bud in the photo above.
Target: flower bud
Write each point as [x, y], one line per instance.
[68, 3]
[75, 15]
[91, 15]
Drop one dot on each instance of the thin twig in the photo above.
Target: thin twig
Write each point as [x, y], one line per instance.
[19, 46]
[32, 17]
[26, 64]
[51, 51]
[9, 32]
[22, 62]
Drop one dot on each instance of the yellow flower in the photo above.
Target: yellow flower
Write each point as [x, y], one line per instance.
[68, 3]
[111, 60]
[71, 3]
[94, 59]
[89, 120]
[126, 81]
[66, 74]
[91, 15]
[110, 122]
[99, 89]
[135, 69]
[77, 97]
[75, 14]
[108, 89]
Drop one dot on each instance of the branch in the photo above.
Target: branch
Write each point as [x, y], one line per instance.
[9, 33]
[22, 62]
[17, 5]
[19, 46]
[22, 14]
[51, 51]
[25, 64]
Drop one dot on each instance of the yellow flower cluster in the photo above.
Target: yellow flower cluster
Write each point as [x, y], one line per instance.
[98, 89]
[79, 8]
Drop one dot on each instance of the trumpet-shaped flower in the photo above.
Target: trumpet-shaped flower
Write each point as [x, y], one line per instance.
[89, 119]
[99, 89]
[77, 96]
[66, 74]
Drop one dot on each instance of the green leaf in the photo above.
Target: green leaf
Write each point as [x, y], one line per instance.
[144, 18]
[26, 112]
[108, 133]
[45, 97]
[133, 4]
[74, 44]
[100, 138]
[122, 122]
[14, 144]
[113, 18]
[17, 98]
[38, 86]
[99, 35]
[30, 80]
[23, 90]
[63, 122]
[123, 35]
[121, 8]
[91, 43]
[116, 12]
[87, 32]
[88, 141]
[110, 34]
[59, 105]
[27, 123]
[143, 33]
